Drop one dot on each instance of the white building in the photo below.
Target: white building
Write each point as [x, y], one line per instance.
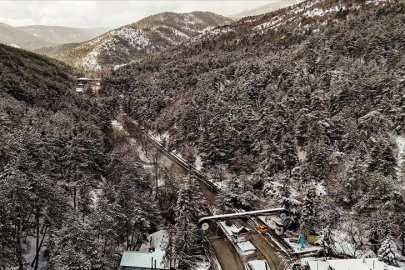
[241, 234]
[149, 256]
[350, 264]
[84, 83]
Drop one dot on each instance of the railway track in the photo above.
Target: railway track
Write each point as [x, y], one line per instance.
[180, 161]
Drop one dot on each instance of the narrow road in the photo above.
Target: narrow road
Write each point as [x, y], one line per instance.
[225, 252]
[227, 255]
[263, 244]
[267, 250]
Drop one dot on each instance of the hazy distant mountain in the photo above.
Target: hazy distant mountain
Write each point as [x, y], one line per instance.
[265, 8]
[134, 41]
[13, 36]
[55, 50]
[61, 34]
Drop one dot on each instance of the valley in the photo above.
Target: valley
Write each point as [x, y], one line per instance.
[192, 141]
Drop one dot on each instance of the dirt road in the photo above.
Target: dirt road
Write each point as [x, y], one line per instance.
[227, 255]
[267, 250]
[263, 244]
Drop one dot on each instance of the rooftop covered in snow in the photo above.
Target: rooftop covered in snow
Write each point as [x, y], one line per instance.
[146, 259]
[351, 264]
[88, 79]
[360, 264]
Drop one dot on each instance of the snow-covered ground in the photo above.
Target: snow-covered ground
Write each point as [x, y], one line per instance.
[297, 247]
[95, 195]
[198, 164]
[30, 246]
[119, 66]
[203, 266]
[160, 138]
[116, 125]
[320, 189]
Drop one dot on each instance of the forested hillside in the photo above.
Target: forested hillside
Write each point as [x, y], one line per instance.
[301, 111]
[65, 185]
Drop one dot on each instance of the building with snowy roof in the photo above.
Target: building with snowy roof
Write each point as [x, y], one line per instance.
[84, 83]
[149, 256]
[241, 234]
[275, 223]
[350, 264]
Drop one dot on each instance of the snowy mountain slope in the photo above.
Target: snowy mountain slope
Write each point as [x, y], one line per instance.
[61, 34]
[300, 19]
[134, 41]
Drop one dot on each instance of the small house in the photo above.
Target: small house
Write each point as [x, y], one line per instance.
[149, 256]
[276, 224]
[83, 84]
[241, 234]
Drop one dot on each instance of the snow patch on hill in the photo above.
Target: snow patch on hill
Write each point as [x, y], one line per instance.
[132, 38]
[320, 12]
[90, 61]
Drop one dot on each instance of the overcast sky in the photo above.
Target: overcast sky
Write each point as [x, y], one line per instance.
[91, 13]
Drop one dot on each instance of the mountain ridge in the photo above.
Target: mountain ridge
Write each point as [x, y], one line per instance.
[264, 9]
[10, 35]
[136, 40]
[63, 34]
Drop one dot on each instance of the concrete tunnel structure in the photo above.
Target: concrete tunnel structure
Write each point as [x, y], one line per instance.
[266, 212]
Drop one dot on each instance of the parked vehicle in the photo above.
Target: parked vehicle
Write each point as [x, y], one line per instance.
[261, 228]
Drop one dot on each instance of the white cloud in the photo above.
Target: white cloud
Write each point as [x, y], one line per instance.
[87, 13]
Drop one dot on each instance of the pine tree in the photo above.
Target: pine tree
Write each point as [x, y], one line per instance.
[308, 213]
[284, 195]
[382, 159]
[8, 251]
[185, 225]
[289, 153]
[74, 246]
[325, 240]
[224, 201]
[388, 251]
[170, 255]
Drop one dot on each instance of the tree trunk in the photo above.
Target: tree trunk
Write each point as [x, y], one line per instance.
[37, 247]
[18, 240]
[74, 197]
[40, 245]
